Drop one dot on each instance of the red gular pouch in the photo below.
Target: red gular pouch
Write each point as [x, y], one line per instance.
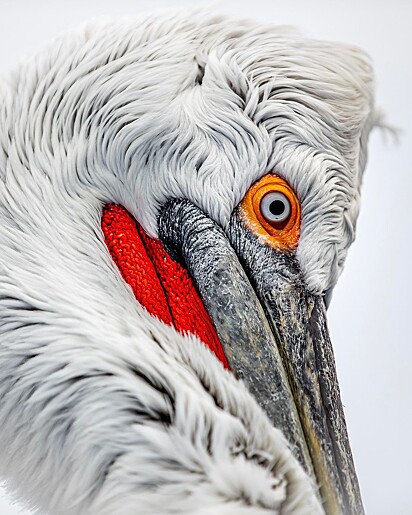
[158, 282]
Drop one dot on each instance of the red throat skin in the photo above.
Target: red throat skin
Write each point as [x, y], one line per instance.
[159, 283]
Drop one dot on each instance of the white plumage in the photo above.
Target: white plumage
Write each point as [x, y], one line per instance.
[104, 409]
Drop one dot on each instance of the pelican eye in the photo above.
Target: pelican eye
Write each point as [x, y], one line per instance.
[271, 210]
[275, 208]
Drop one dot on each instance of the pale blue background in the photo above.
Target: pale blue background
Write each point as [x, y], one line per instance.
[370, 313]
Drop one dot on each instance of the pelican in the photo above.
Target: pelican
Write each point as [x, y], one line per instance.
[178, 193]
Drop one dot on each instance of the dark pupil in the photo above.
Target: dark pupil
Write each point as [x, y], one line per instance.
[277, 207]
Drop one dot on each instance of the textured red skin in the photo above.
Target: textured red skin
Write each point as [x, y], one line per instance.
[158, 282]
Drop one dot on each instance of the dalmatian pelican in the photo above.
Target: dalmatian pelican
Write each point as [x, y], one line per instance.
[177, 197]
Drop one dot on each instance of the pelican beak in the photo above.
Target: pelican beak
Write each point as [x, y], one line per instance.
[274, 335]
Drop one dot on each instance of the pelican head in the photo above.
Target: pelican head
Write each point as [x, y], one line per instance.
[233, 152]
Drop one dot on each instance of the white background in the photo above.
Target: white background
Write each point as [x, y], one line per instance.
[370, 314]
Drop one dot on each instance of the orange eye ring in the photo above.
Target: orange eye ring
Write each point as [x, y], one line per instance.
[281, 234]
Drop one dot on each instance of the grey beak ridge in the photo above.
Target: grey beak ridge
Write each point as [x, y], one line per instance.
[275, 338]
[237, 314]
